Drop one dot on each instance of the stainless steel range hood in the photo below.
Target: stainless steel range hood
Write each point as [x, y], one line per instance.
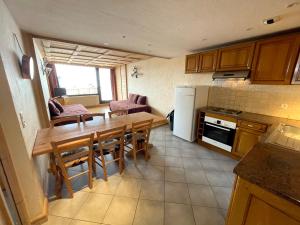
[234, 74]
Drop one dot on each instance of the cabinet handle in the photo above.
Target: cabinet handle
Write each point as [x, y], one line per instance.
[250, 125]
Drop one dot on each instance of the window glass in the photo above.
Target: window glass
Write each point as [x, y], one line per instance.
[105, 84]
[78, 80]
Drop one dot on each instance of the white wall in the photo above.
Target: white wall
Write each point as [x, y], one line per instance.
[18, 95]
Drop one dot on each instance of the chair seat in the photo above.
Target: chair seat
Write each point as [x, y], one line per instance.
[75, 157]
[105, 151]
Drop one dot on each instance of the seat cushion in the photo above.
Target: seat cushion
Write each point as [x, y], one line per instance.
[58, 105]
[142, 100]
[52, 109]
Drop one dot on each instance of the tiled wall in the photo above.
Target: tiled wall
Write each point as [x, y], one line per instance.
[274, 100]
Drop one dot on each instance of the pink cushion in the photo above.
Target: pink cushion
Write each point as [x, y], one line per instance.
[52, 108]
[142, 100]
[133, 98]
[58, 105]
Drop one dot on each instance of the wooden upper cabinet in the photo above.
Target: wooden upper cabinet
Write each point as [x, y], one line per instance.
[275, 59]
[237, 57]
[191, 63]
[207, 61]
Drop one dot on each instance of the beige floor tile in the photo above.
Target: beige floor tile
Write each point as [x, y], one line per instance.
[195, 176]
[121, 211]
[223, 196]
[218, 178]
[210, 164]
[178, 214]
[68, 207]
[149, 212]
[94, 208]
[208, 216]
[189, 152]
[55, 220]
[153, 190]
[177, 193]
[107, 187]
[227, 165]
[132, 171]
[175, 174]
[157, 160]
[129, 187]
[173, 152]
[80, 222]
[204, 153]
[191, 163]
[152, 172]
[202, 195]
[157, 150]
[173, 161]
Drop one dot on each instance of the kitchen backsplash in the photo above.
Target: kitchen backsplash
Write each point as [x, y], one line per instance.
[274, 100]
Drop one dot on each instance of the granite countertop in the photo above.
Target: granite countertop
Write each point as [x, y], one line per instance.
[274, 169]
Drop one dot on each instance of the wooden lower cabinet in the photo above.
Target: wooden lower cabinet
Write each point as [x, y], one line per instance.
[245, 139]
[252, 205]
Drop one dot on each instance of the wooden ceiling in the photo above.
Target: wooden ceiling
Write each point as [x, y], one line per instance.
[71, 53]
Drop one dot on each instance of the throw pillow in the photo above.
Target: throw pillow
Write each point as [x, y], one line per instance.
[53, 110]
[58, 105]
[142, 100]
[133, 98]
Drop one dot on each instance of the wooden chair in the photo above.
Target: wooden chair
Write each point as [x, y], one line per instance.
[139, 138]
[110, 142]
[117, 113]
[67, 119]
[86, 117]
[70, 153]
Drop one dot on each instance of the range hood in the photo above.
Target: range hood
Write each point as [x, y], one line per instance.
[234, 74]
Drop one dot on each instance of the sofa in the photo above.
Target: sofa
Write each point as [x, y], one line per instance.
[58, 111]
[135, 103]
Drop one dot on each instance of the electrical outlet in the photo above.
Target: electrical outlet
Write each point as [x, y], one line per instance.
[284, 106]
[23, 122]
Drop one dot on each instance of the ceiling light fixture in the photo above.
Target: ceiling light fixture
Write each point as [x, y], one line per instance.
[249, 28]
[203, 39]
[271, 20]
[105, 43]
[124, 36]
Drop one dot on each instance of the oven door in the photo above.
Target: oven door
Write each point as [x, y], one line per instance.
[219, 136]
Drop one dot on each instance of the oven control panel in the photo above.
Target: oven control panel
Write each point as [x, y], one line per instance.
[220, 122]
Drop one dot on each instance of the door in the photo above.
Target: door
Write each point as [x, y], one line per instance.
[207, 61]
[191, 63]
[274, 60]
[184, 113]
[245, 141]
[237, 57]
[296, 76]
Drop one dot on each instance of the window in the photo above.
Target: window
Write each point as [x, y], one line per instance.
[105, 84]
[78, 80]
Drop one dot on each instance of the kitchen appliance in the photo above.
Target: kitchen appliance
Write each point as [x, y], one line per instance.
[244, 74]
[187, 100]
[219, 132]
[225, 111]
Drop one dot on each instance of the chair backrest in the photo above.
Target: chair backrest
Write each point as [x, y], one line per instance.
[86, 117]
[141, 129]
[117, 113]
[108, 139]
[64, 120]
[72, 144]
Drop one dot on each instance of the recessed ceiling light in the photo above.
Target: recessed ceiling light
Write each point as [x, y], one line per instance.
[124, 36]
[105, 43]
[293, 4]
[149, 45]
[203, 39]
[249, 28]
[271, 20]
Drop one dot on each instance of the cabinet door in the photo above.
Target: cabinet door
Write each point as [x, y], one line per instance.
[207, 61]
[244, 141]
[191, 63]
[237, 57]
[274, 60]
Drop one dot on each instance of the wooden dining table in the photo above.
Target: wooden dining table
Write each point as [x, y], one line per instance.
[45, 136]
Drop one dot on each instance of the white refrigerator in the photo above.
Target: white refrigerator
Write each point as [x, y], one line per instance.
[187, 100]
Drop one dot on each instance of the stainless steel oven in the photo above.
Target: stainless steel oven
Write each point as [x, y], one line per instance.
[219, 132]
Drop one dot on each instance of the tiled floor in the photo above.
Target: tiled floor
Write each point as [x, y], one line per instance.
[182, 184]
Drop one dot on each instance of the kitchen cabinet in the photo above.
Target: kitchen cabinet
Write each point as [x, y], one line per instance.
[247, 135]
[237, 57]
[207, 61]
[275, 59]
[191, 63]
[251, 205]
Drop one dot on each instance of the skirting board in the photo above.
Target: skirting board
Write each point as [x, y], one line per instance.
[43, 217]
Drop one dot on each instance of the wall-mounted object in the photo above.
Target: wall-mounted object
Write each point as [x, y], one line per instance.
[27, 67]
[135, 72]
[46, 68]
[244, 74]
